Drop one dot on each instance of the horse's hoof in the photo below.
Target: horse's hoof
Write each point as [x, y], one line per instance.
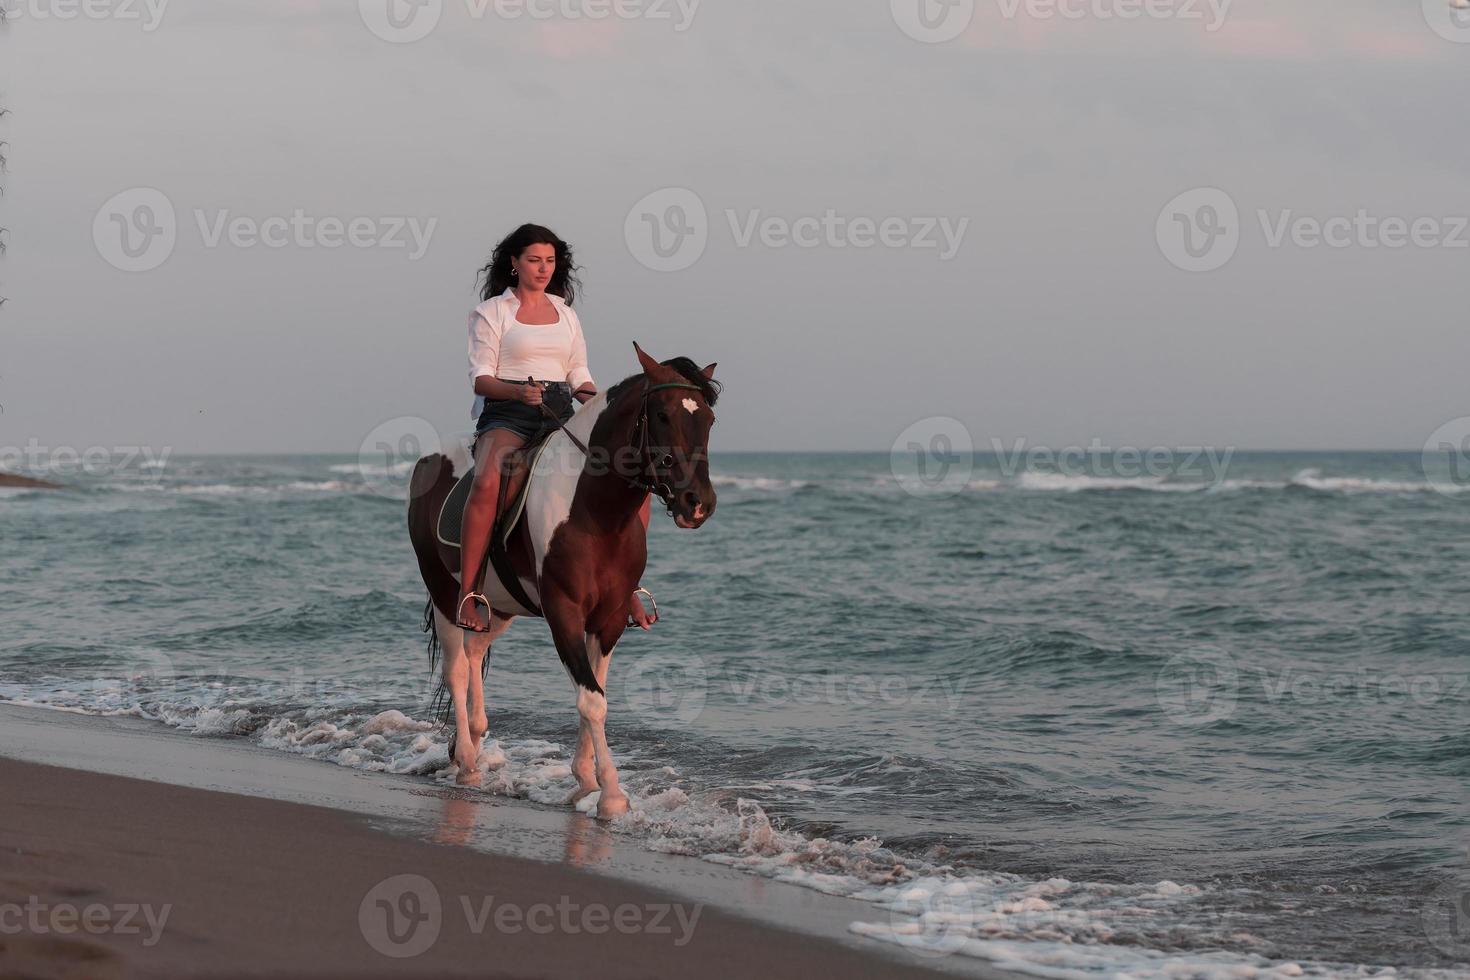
[580, 795]
[468, 776]
[611, 806]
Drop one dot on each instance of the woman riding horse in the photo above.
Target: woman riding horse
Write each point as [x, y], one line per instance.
[524, 330]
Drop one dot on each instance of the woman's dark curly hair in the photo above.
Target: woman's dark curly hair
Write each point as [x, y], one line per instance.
[497, 277]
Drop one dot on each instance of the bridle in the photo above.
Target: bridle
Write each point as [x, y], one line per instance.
[660, 488]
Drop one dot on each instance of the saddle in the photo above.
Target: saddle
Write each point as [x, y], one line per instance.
[515, 483]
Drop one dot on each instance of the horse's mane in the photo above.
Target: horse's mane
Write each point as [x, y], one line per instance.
[692, 372]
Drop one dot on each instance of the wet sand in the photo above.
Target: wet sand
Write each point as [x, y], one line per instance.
[105, 876]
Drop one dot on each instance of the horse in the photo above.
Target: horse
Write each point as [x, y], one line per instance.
[578, 551]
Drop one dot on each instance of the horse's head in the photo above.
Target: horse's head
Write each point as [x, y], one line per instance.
[679, 399]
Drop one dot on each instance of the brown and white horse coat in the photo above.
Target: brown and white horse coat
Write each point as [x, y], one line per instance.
[579, 549]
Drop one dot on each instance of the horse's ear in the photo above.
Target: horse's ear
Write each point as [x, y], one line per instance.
[650, 366]
[709, 370]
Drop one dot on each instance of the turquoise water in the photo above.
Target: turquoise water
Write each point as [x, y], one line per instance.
[1252, 687]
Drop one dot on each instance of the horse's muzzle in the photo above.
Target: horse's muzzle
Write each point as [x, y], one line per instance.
[692, 508]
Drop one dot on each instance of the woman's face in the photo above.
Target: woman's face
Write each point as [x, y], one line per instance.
[534, 266]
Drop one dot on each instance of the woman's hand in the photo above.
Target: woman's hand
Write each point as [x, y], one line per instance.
[530, 393]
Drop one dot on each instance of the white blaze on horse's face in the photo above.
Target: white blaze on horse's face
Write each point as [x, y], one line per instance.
[691, 406]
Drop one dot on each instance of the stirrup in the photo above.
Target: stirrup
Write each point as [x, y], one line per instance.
[478, 597]
[651, 599]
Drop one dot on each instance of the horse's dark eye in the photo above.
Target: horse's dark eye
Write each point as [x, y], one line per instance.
[663, 416]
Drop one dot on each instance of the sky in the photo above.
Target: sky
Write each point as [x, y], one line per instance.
[255, 225]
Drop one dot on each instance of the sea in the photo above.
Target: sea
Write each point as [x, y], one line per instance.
[1075, 717]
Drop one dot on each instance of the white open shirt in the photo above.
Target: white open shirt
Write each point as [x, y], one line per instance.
[503, 347]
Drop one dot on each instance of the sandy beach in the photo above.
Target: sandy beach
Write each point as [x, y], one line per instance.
[106, 876]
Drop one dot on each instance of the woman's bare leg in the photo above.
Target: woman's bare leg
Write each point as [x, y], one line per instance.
[479, 516]
[641, 616]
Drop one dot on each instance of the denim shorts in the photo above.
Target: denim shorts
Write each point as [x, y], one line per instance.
[522, 419]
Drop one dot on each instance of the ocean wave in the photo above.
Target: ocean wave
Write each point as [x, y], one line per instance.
[759, 482]
[376, 470]
[1050, 927]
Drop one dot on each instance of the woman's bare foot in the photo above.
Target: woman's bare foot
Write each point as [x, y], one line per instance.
[641, 617]
[473, 612]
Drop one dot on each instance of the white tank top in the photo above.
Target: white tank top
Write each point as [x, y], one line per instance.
[535, 350]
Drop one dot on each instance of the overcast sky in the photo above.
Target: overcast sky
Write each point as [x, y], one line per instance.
[992, 227]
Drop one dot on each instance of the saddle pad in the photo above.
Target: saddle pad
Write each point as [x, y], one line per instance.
[450, 526]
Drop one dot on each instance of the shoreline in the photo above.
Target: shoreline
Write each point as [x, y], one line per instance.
[241, 862]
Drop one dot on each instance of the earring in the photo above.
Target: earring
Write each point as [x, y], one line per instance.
[514, 271]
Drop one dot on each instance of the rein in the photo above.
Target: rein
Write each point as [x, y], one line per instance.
[659, 488]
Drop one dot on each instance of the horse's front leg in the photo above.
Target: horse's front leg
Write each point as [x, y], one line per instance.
[585, 657]
[584, 762]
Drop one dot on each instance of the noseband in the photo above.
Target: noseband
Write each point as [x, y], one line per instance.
[647, 468]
